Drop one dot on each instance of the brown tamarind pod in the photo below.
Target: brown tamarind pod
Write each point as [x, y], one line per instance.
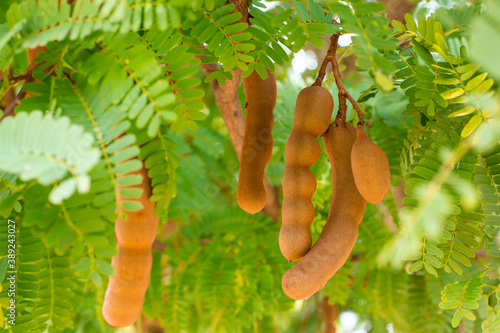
[340, 233]
[135, 233]
[329, 314]
[370, 168]
[257, 145]
[313, 112]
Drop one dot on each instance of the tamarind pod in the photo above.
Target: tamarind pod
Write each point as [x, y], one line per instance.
[370, 168]
[135, 233]
[340, 233]
[329, 314]
[257, 144]
[313, 112]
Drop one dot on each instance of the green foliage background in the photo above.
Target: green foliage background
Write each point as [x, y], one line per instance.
[131, 69]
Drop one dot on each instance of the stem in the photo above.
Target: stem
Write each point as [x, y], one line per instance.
[343, 94]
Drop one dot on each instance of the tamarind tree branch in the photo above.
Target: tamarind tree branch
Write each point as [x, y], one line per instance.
[226, 98]
[343, 94]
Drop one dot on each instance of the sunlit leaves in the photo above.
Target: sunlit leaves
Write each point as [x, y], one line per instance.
[462, 296]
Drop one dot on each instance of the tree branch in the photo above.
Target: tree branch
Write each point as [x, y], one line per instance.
[343, 94]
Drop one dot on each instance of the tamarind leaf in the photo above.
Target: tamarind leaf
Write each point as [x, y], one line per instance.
[398, 25]
[429, 29]
[416, 266]
[432, 260]
[450, 81]
[316, 27]
[384, 82]
[430, 269]
[410, 22]
[242, 37]
[301, 11]
[440, 42]
[451, 304]
[278, 20]
[432, 249]
[209, 4]
[476, 81]
[245, 57]
[222, 11]
[468, 75]
[132, 206]
[261, 70]
[236, 28]
[440, 100]
[452, 93]
[368, 8]
[457, 318]
[467, 68]
[431, 109]
[229, 19]
[462, 112]
[104, 267]
[473, 123]
[453, 264]
[467, 314]
[271, 53]
[483, 87]
[317, 13]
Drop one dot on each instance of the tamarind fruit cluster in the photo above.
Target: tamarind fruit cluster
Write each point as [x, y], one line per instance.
[360, 174]
[340, 233]
[257, 145]
[135, 233]
[313, 112]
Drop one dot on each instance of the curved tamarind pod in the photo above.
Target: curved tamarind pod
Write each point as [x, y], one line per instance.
[340, 233]
[370, 168]
[135, 235]
[257, 145]
[313, 112]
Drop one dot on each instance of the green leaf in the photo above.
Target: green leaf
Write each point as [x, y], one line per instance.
[416, 266]
[104, 267]
[301, 11]
[471, 125]
[457, 317]
[410, 23]
[467, 314]
[452, 93]
[368, 8]
[229, 19]
[430, 269]
[398, 25]
[447, 305]
[450, 82]
[476, 81]
[261, 70]
[462, 112]
[483, 87]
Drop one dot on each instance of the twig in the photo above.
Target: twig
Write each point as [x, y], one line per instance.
[343, 94]
[9, 109]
